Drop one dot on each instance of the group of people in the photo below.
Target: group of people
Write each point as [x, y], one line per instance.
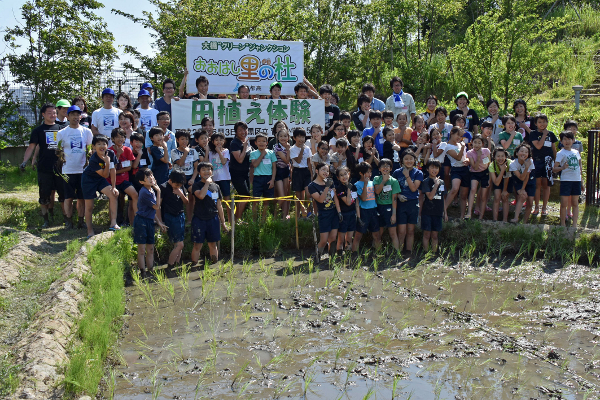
[381, 166]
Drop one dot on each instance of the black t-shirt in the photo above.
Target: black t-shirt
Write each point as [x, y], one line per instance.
[546, 150]
[144, 164]
[170, 202]
[45, 136]
[332, 113]
[365, 156]
[201, 152]
[433, 207]
[357, 117]
[208, 96]
[206, 209]
[341, 191]
[95, 164]
[388, 150]
[471, 117]
[234, 166]
[328, 204]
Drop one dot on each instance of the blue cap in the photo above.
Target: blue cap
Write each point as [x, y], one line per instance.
[147, 85]
[73, 108]
[108, 91]
[143, 92]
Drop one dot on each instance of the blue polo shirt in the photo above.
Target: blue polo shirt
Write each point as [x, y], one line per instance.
[377, 104]
[379, 140]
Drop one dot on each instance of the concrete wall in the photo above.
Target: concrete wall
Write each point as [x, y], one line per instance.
[14, 155]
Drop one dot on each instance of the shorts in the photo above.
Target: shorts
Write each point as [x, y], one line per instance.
[176, 225]
[73, 188]
[121, 187]
[431, 223]
[385, 216]
[282, 173]
[570, 188]
[187, 179]
[540, 169]
[348, 223]
[370, 220]
[407, 212]
[482, 177]
[48, 182]
[500, 187]
[240, 182]
[260, 187]
[529, 188]
[463, 174]
[90, 186]
[300, 179]
[328, 220]
[446, 162]
[225, 187]
[143, 230]
[209, 229]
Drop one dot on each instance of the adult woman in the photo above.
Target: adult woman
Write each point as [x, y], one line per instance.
[86, 119]
[126, 122]
[124, 102]
[239, 164]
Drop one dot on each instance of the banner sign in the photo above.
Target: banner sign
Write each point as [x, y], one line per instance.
[260, 115]
[230, 63]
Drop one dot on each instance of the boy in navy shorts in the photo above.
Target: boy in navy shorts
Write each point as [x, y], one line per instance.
[100, 167]
[173, 200]
[368, 219]
[160, 155]
[432, 212]
[568, 163]
[264, 162]
[143, 224]
[208, 212]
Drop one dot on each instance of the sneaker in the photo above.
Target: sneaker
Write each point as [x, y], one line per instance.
[46, 224]
[68, 224]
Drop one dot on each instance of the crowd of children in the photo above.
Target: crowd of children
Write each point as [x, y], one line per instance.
[393, 173]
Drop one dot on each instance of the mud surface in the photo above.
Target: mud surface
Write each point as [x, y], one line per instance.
[382, 328]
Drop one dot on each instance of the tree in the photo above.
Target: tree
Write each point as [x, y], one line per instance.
[13, 126]
[68, 49]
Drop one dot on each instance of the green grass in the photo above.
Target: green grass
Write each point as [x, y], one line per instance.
[12, 179]
[101, 321]
[7, 241]
[9, 379]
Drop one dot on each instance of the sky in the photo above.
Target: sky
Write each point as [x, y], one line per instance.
[124, 31]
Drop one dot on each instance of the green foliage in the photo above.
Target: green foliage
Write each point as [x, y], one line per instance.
[9, 379]
[12, 179]
[68, 48]
[7, 240]
[14, 127]
[99, 327]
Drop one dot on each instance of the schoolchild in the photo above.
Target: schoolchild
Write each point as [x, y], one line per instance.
[444, 129]
[160, 155]
[346, 120]
[282, 175]
[323, 194]
[391, 149]
[101, 166]
[322, 154]
[510, 138]
[410, 179]
[479, 160]
[201, 147]
[342, 155]
[173, 201]
[494, 120]
[387, 189]
[388, 119]
[433, 205]
[543, 149]
[208, 218]
[332, 112]
[462, 107]
[142, 160]
[264, 162]
[361, 116]
[370, 154]
[375, 131]
[367, 218]
[123, 159]
[523, 177]
[461, 122]
[301, 174]
[143, 224]
[185, 159]
[339, 133]
[218, 156]
[525, 123]
[423, 151]
[346, 194]
[459, 173]
[403, 134]
[354, 148]
[568, 164]
[486, 133]
[571, 126]
[418, 127]
[500, 174]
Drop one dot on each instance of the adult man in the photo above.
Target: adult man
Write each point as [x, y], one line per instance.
[332, 112]
[74, 141]
[399, 101]
[146, 86]
[301, 90]
[49, 178]
[164, 103]
[147, 114]
[243, 92]
[62, 106]
[105, 119]
[201, 86]
[275, 89]
[376, 104]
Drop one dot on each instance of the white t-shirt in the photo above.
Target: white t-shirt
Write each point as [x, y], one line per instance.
[106, 120]
[443, 130]
[148, 118]
[571, 158]
[332, 142]
[188, 167]
[515, 165]
[454, 162]
[295, 152]
[74, 143]
[220, 171]
[442, 156]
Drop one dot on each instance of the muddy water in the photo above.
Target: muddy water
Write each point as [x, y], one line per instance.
[380, 329]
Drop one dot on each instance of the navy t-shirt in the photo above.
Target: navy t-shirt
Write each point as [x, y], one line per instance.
[546, 150]
[433, 207]
[170, 202]
[415, 175]
[341, 192]
[244, 166]
[146, 200]
[471, 117]
[96, 164]
[159, 168]
[206, 209]
[329, 203]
